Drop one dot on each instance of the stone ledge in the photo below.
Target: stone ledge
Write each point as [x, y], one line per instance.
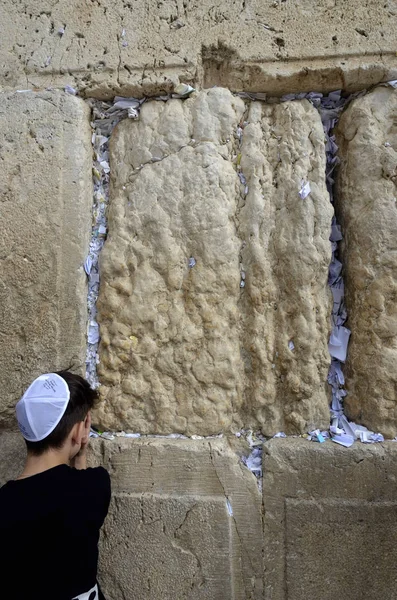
[274, 46]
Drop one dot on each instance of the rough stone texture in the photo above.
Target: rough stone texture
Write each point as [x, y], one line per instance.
[187, 349]
[271, 46]
[169, 349]
[45, 220]
[169, 533]
[367, 196]
[286, 255]
[329, 520]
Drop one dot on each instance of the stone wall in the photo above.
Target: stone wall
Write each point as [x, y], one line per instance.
[328, 524]
[45, 219]
[185, 520]
[187, 349]
[214, 307]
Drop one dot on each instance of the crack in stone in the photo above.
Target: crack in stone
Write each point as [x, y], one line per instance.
[242, 544]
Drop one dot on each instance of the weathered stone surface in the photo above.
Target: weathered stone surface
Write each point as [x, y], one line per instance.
[45, 220]
[169, 345]
[367, 194]
[170, 533]
[13, 454]
[266, 46]
[187, 349]
[286, 255]
[329, 520]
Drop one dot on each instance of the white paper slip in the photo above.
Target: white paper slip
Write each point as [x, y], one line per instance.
[305, 191]
[343, 440]
[338, 342]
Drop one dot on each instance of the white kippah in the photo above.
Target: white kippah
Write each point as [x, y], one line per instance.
[42, 406]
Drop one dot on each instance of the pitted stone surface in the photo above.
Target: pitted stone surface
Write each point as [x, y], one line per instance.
[186, 349]
[145, 47]
[169, 349]
[285, 255]
[367, 196]
[45, 220]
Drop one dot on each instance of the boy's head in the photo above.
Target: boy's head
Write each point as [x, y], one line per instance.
[54, 410]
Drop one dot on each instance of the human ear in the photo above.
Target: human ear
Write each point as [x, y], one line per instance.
[76, 438]
[87, 421]
[87, 427]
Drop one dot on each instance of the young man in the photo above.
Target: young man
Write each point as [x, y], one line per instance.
[51, 515]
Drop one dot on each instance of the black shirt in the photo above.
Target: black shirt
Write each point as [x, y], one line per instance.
[49, 531]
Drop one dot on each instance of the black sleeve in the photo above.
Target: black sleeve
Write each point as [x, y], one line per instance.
[95, 492]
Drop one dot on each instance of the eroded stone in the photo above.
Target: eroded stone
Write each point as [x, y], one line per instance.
[169, 345]
[186, 348]
[285, 255]
[367, 196]
[45, 219]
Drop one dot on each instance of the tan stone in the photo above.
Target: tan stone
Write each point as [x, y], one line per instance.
[187, 349]
[169, 346]
[170, 533]
[270, 46]
[45, 220]
[329, 520]
[286, 255]
[329, 517]
[13, 454]
[367, 196]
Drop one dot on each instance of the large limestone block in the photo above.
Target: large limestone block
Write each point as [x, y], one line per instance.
[367, 196]
[45, 220]
[185, 521]
[144, 47]
[187, 349]
[285, 255]
[170, 358]
[329, 520]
